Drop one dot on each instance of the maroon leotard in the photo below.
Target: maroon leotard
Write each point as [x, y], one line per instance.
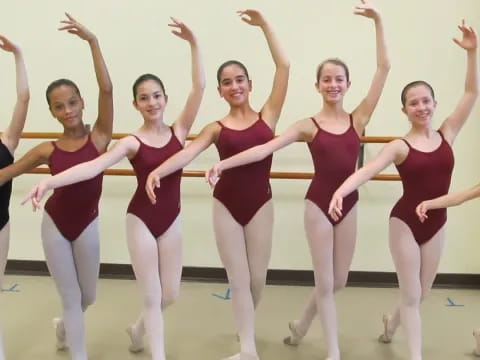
[425, 175]
[159, 216]
[73, 207]
[334, 159]
[245, 189]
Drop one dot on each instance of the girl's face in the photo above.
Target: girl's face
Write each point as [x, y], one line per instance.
[419, 105]
[150, 100]
[234, 85]
[332, 83]
[66, 106]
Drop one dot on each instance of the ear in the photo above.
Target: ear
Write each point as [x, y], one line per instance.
[250, 87]
[83, 103]
[348, 84]
[219, 92]
[404, 110]
[134, 103]
[166, 99]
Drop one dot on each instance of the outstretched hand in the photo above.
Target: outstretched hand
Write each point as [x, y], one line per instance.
[181, 30]
[252, 17]
[469, 37]
[74, 27]
[36, 195]
[153, 182]
[366, 9]
[213, 175]
[7, 45]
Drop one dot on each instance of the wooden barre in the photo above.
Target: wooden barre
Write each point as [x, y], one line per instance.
[116, 136]
[200, 173]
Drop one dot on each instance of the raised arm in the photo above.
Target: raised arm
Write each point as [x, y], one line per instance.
[388, 155]
[446, 201]
[363, 112]
[296, 132]
[11, 135]
[84, 171]
[452, 125]
[185, 120]
[272, 108]
[102, 129]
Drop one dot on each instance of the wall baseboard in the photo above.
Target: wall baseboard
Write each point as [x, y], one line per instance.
[274, 276]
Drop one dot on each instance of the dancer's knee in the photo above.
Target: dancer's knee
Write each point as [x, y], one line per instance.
[340, 283]
[151, 301]
[324, 287]
[411, 298]
[88, 298]
[170, 295]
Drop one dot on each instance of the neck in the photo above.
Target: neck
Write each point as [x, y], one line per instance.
[77, 132]
[155, 127]
[332, 110]
[241, 111]
[422, 130]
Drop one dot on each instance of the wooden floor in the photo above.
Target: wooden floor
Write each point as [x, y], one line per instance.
[200, 325]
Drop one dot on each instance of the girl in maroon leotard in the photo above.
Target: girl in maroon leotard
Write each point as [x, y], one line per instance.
[424, 160]
[243, 215]
[72, 254]
[9, 140]
[333, 139]
[153, 231]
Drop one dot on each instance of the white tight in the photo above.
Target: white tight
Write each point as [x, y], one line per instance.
[331, 248]
[416, 268]
[157, 264]
[4, 242]
[245, 254]
[74, 267]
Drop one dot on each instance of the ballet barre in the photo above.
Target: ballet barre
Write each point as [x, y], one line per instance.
[201, 173]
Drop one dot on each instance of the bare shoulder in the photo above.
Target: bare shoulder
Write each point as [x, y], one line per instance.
[398, 149]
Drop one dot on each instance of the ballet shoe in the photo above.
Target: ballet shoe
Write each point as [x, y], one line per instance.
[476, 335]
[386, 337]
[296, 335]
[60, 335]
[136, 343]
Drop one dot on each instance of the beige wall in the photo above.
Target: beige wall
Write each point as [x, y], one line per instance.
[135, 39]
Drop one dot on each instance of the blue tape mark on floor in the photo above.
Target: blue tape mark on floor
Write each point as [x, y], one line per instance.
[452, 303]
[13, 288]
[226, 297]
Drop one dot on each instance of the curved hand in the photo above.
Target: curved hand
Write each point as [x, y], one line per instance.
[153, 182]
[366, 9]
[469, 37]
[74, 27]
[182, 31]
[213, 175]
[7, 45]
[36, 195]
[252, 17]
[421, 211]
[335, 207]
